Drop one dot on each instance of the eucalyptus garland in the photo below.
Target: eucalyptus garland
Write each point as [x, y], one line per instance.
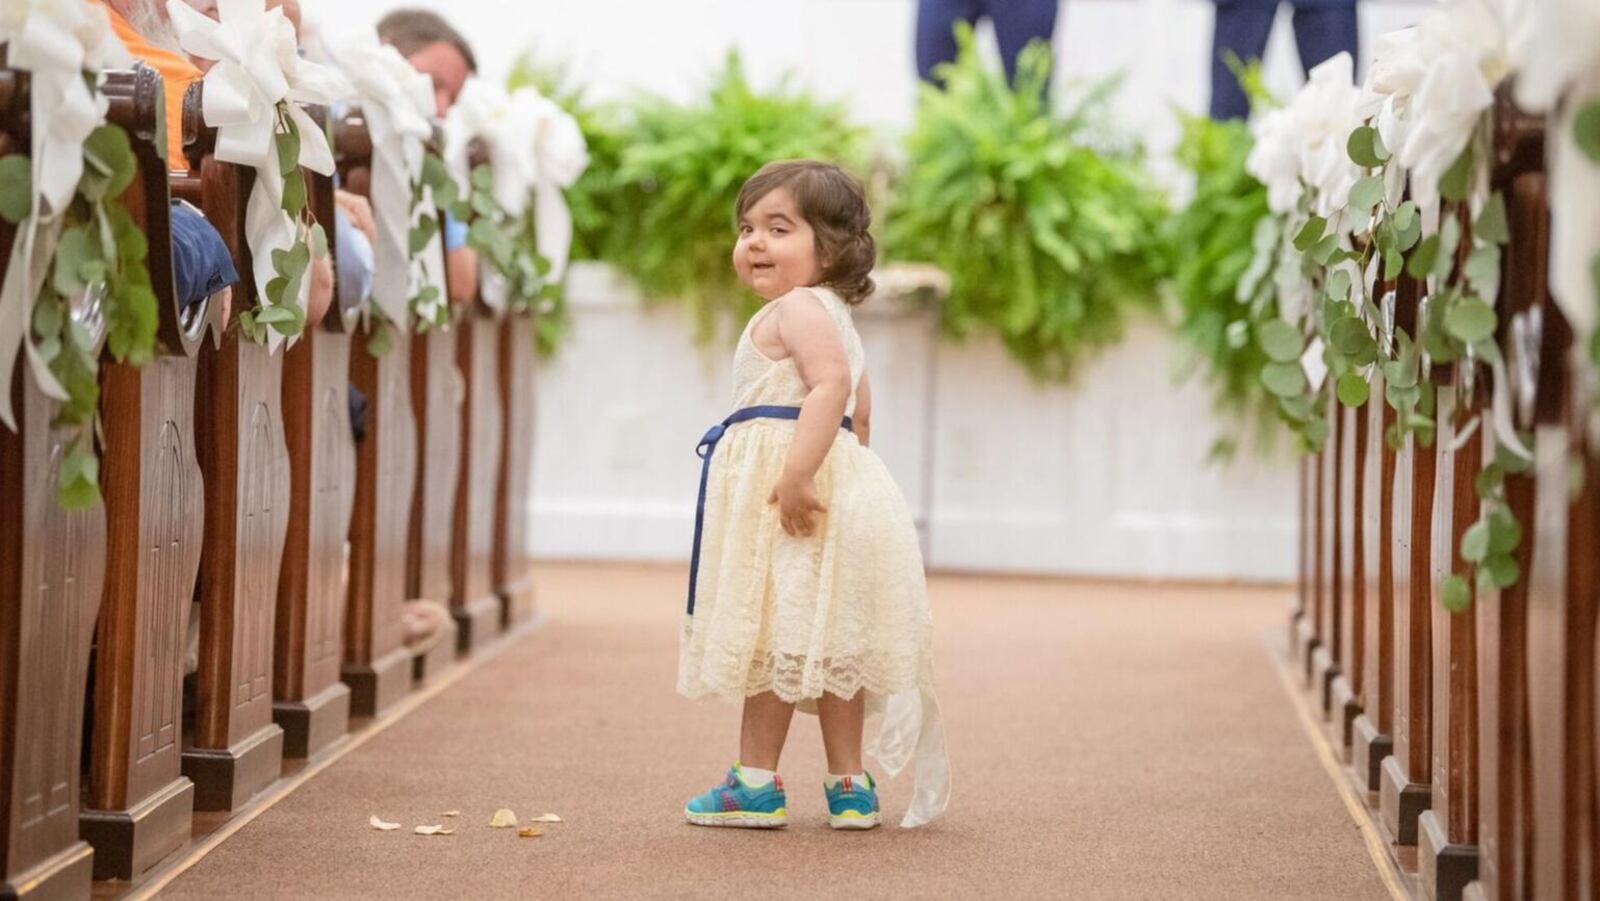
[1051, 234]
[280, 309]
[100, 251]
[427, 307]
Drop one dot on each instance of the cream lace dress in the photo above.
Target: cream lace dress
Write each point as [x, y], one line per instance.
[842, 611]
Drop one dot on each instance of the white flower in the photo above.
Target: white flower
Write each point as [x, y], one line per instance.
[1275, 159]
[1462, 45]
[1326, 111]
[1554, 44]
[536, 150]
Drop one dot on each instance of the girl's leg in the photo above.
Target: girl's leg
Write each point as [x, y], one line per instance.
[841, 731]
[765, 726]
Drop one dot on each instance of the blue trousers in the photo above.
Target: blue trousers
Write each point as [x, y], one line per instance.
[1016, 22]
[1322, 28]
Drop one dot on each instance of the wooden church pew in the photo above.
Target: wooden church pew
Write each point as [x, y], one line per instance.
[377, 665]
[473, 599]
[1403, 791]
[52, 567]
[311, 703]
[139, 803]
[237, 748]
[512, 563]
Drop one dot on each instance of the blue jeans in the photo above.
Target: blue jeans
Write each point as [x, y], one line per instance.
[1322, 28]
[1016, 22]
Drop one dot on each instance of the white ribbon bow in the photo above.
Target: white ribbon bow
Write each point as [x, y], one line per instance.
[56, 42]
[397, 102]
[536, 150]
[257, 67]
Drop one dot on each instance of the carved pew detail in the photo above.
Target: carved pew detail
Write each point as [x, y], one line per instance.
[52, 566]
[237, 748]
[1332, 514]
[1403, 790]
[436, 401]
[377, 665]
[1371, 731]
[513, 566]
[139, 804]
[311, 704]
[476, 607]
[1447, 831]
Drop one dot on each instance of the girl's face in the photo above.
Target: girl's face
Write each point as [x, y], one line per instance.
[776, 250]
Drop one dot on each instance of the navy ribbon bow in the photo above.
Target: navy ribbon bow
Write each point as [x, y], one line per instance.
[704, 450]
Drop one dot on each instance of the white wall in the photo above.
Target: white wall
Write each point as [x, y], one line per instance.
[1104, 477]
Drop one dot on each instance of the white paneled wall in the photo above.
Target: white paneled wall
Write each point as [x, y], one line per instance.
[1104, 477]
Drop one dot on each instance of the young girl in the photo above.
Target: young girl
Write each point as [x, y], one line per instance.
[806, 586]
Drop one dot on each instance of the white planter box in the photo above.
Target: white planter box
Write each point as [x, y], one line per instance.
[1105, 477]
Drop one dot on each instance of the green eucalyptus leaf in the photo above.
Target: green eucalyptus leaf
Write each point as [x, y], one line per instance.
[317, 238]
[1280, 340]
[109, 149]
[1284, 379]
[1475, 542]
[1366, 194]
[1470, 320]
[1404, 215]
[1420, 265]
[1365, 147]
[1491, 225]
[1586, 129]
[1310, 233]
[1353, 390]
[16, 187]
[1455, 594]
[1457, 180]
[1505, 533]
[1316, 433]
[288, 143]
[1338, 287]
[1482, 268]
[294, 193]
[77, 247]
[1502, 569]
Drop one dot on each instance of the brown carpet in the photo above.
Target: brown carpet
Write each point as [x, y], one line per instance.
[1108, 741]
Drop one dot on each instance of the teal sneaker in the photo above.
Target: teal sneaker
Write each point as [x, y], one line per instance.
[735, 804]
[853, 805]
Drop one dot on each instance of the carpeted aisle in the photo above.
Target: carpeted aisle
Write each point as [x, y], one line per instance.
[1108, 741]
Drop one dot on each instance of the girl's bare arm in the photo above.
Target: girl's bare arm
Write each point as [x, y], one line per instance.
[811, 339]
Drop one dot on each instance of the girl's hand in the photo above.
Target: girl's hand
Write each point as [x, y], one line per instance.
[797, 505]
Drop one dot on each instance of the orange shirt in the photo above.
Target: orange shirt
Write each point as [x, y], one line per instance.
[177, 73]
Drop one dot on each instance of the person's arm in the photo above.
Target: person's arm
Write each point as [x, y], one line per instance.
[461, 271]
[460, 261]
[812, 340]
[861, 422]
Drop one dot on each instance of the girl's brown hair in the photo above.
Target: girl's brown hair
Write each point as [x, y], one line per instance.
[835, 205]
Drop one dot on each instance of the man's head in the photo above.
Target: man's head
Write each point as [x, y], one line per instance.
[434, 48]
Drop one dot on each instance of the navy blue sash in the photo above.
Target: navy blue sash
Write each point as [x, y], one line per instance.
[704, 450]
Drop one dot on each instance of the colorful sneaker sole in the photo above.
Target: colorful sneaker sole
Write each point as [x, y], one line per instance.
[744, 819]
[851, 819]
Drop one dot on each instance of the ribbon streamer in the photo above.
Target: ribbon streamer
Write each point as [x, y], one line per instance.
[396, 101]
